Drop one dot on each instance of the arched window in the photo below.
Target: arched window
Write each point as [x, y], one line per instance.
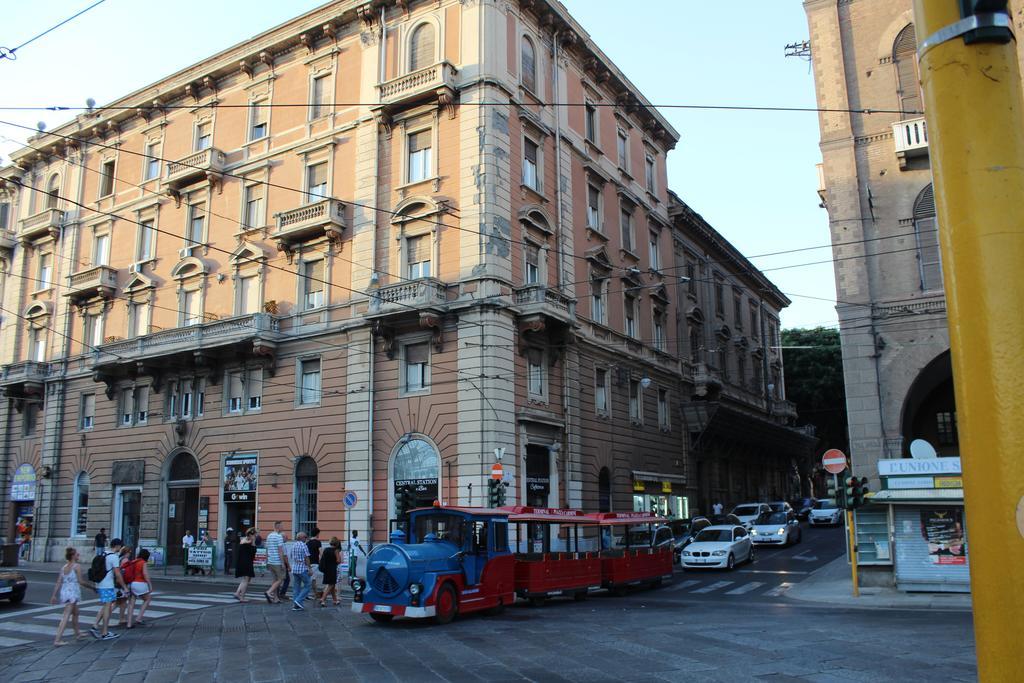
[926, 232]
[604, 490]
[421, 47]
[80, 512]
[53, 191]
[904, 56]
[183, 468]
[528, 63]
[417, 465]
[306, 482]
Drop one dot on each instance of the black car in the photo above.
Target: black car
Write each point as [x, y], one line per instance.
[803, 506]
[12, 586]
[683, 531]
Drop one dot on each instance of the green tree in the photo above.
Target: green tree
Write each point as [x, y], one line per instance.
[813, 362]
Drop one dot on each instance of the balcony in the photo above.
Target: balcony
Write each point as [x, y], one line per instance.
[783, 409]
[7, 243]
[206, 163]
[707, 383]
[96, 281]
[436, 81]
[408, 296]
[911, 139]
[538, 300]
[24, 378]
[45, 223]
[324, 218]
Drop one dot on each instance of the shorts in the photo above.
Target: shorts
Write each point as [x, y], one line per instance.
[139, 588]
[278, 571]
[107, 595]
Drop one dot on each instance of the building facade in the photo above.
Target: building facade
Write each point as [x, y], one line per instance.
[362, 251]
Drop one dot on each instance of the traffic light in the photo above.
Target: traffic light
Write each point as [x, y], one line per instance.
[403, 501]
[838, 493]
[494, 493]
[501, 494]
[856, 490]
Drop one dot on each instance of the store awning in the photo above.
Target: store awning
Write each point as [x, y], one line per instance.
[639, 475]
[906, 496]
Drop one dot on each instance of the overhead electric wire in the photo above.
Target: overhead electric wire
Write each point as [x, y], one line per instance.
[10, 53]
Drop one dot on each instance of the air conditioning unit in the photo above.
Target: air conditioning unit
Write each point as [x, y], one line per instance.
[184, 252]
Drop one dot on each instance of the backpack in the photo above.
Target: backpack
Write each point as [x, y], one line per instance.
[132, 572]
[98, 568]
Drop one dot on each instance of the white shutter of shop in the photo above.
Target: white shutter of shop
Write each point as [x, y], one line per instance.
[915, 570]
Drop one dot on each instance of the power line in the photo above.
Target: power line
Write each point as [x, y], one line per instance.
[10, 53]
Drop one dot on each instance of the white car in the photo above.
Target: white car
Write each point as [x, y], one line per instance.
[825, 513]
[775, 528]
[721, 546]
[748, 512]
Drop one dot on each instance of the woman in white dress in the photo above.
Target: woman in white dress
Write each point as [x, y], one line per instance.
[69, 592]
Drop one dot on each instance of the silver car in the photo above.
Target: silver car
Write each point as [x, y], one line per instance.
[776, 528]
[825, 513]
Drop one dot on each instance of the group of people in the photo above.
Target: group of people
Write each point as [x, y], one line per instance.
[118, 578]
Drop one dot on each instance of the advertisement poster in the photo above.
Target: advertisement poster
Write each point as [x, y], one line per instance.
[157, 555]
[943, 531]
[200, 556]
[260, 561]
[24, 485]
[240, 475]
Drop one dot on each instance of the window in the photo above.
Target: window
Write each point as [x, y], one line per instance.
[5, 215]
[204, 135]
[719, 296]
[101, 250]
[741, 369]
[312, 284]
[757, 383]
[663, 414]
[754, 330]
[147, 237]
[622, 147]
[196, 221]
[151, 169]
[258, 120]
[254, 388]
[532, 272]
[649, 173]
[318, 98]
[601, 391]
[141, 405]
[93, 330]
[107, 178]
[737, 309]
[926, 233]
[245, 390]
[309, 381]
[316, 182]
[905, 59]
[635, 402]
[248, 294]
[127, 407]
[630, 307]
[695, 344]
[236, 392]
[191, 309]
[88, 409]
[421, 47]
[536, 382]
[723, 361]
[80, 516]
[691, 277]
[653, 252]
[186, 398]
[590, 122]
[30, 418]
[419, 156]
[597, 306]
[306, 484]
[626, 221]
[659, 330]
[945, 423]
[53, 192]
[530, 165]
[138, 319]
[37, 344]
[593, 207]
[528, 62]
[253, 208]
[417, 256]
[417, 366]
[45, 271]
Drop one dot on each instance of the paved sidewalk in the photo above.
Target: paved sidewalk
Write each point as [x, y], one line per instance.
[175, 574]
[832, 584]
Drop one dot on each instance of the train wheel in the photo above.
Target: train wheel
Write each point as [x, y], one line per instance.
[447, 605]
[580, 596]
[381, 618]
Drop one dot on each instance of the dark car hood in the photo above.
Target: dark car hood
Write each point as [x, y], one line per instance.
[11, 575]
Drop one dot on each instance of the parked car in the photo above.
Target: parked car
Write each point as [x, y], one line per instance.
[683, 531]
[776, 528]
[721, 546]
[826, 513]
[748, 512]
[803, 507]
[12, 586]
[780, 506]
[728, 520]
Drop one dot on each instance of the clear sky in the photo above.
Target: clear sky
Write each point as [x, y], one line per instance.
[750, 174]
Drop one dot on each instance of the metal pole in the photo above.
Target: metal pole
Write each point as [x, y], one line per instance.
[976, 131]
[853, 552]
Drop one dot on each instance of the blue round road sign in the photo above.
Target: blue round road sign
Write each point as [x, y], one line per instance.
[351, 499]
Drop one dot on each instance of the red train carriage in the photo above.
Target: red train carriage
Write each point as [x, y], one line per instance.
[636, 549]
[557, 553]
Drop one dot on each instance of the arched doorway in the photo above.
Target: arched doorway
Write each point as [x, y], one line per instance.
[929, 410]
[604, 490]
[182, 504]
[416, 464]
[306, 483]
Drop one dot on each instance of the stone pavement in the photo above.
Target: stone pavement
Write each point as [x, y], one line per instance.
[172, 574]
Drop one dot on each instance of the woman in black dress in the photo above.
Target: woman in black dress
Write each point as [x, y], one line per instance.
[244, 557]
[330, 558]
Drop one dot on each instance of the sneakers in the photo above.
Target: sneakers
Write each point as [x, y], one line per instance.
[110, 636]
[95, 632]
[298, 607]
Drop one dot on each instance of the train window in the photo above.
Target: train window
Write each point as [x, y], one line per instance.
[479, 536]
[500, 537]
[444, 527]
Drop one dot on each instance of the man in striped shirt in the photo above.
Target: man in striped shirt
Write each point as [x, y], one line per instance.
[275, 561]
[298, 558]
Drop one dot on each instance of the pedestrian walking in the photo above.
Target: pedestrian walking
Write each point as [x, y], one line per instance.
[275, 561]
[69, 592]
[330, 558]
[107, 577]
[298, 559]
[123, 593]
[245, 555]
[101, 541]
[717, 508]
[136, 575]
[314, 546]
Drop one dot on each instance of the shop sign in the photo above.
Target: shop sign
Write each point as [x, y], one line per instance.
[538, 484]
[910, 482]
[23, 488]
[200, 556]
[421, 487]
[241, 473]
[638, 486]
[918, 466]
[949, 482]
[666, 487]
[943, 531]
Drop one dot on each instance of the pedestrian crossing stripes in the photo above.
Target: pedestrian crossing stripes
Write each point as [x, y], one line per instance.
[745, 588]
[779, 590]
[729, 587]
[713, 587]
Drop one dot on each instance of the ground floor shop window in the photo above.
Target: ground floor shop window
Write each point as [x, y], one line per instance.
[666, 505]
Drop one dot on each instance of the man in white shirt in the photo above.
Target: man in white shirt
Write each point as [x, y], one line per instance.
[717, 508]
[276, 561]
[107, 591]
[187, 541]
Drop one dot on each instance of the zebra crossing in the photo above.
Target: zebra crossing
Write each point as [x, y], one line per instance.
[732, 588]
[39, 624]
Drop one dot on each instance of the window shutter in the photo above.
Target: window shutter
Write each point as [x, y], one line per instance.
[905, 60]
[422, 50]
[532, 255]
[418, 249]
[235, 387]
[529, 64]
[416, 354]
[419, 141]
[315, 276]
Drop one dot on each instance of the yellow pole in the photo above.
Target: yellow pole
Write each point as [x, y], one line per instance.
[853, 552]
[976, 142]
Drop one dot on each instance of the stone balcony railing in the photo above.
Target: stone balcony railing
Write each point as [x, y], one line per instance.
[7, 241]
[911, 139]
[435, 80]
[539, 299]
[25, 372]
[189, 339]
[96, 281]
[408, 296]
[46, 222]
[783, 408]
[323, 218]
[195, 167]
[706, 380]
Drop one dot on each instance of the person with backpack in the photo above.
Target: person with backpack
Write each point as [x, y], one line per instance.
[123, 593]
[136, 575]
[105, 572]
